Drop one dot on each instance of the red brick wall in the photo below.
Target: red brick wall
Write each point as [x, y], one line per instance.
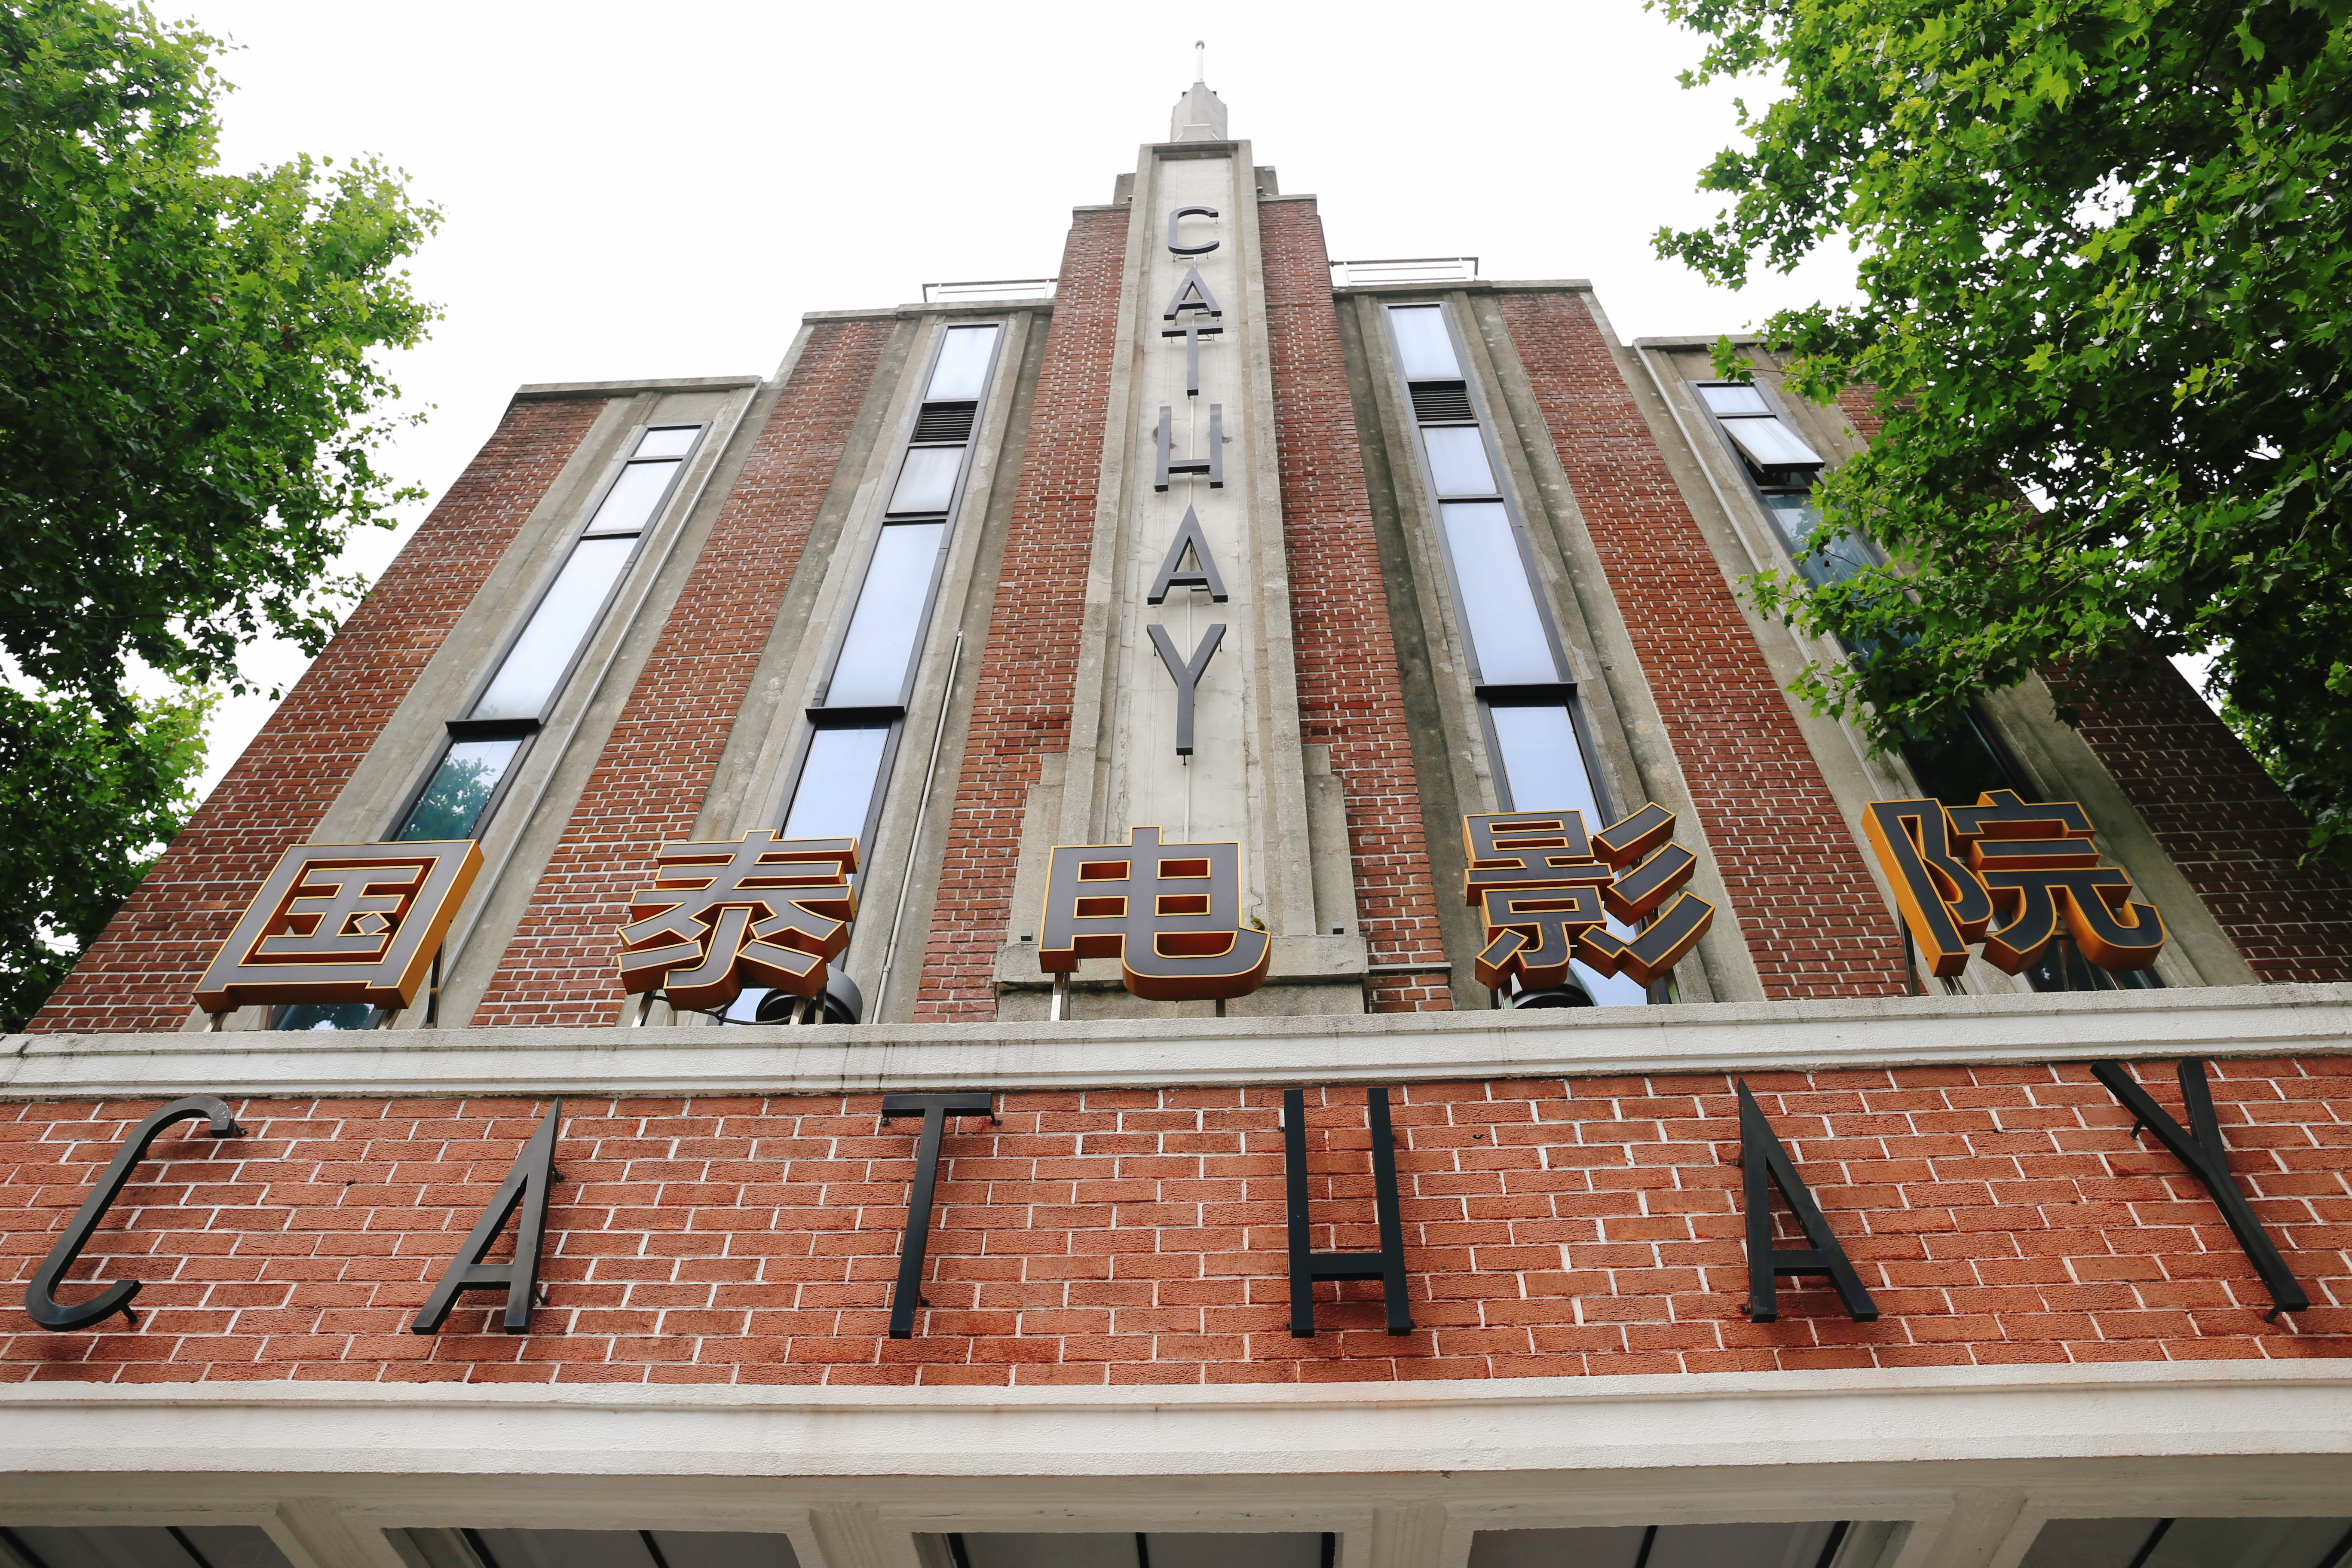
[1138, 1235]
[1028, 670]
[1349, 694]
[559, 967]
[2232, 832]
[139, 973]
[1814, 921]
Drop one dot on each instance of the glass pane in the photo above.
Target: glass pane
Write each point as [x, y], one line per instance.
[1771, 444]
[1424, 352]
[630, 502]
[451, 805]
[1605, 1546]
[1457, 461]
[527, 677]
[1204, 1549]
[889, 623]
[1544, 767]
[961, 374]
[1739, 1545]
[1506, 631]
[724, 1549]
[672, 442]
[2249, 1543]
[928, 481]
[2088, 1542]
[1735, 400]
[1050, 1549]
[323, 1016]
[836, 783]
[568, 1548]
[1841, 558]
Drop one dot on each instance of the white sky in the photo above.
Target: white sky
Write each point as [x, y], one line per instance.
[663, 190]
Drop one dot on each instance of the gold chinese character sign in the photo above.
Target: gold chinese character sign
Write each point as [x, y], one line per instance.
[1546, 892]
[761, 910]
[342, 922]
[1170, 913]
[2032, 864]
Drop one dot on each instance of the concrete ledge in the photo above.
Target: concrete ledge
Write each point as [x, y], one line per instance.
[1758, 1421]
[538, 389]
[2232, 1021]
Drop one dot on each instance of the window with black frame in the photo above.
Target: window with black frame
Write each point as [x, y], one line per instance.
[1526, 705]
[855, 722]
[457, 797]
[1956, 767]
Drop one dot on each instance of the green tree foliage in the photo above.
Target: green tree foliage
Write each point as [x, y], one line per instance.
[88, 806]
[2107, 287]
[189, 415]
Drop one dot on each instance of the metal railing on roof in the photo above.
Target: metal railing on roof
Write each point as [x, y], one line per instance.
[1406, 269]
[990, 289]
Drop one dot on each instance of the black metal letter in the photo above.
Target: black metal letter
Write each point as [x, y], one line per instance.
[526, 1188]
[1387, 1264]
[2200, 1147]
[1761, 1156]
[40, 1296]
[1187, 675]
[935, 1110]
[1213, 465]
[1204, 566]
[1179, 216]
[1190, 295]
[1193, 333]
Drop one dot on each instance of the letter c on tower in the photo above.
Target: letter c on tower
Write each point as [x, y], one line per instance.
[1178, 216]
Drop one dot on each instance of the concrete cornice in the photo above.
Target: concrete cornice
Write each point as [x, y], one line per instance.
[2031, 1028]
[1706, 1420]
[549, 389]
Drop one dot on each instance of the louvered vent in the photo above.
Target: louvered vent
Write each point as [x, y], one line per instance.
[945, 422]
[1441, 403]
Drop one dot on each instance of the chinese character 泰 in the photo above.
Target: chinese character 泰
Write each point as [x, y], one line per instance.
[1170, 913]
[1546, 892]
[762, 911]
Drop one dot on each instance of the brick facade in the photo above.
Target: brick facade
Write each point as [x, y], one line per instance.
[1552, 1229]
[139, 973]
[656, 769]
[1815, 924]
[2229, 829]
[1350, 695]
[1028, 670]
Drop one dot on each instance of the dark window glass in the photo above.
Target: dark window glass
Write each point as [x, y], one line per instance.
[1805, 1545]
[527, 677]
[1457, 460]
[1506, 632]
[888, 621]
[1793, 515]
[836, 782]
[962, 373]
[2191, 1544]
[1424, 348]
[927, 481]
[149, 1546]
[451, 805]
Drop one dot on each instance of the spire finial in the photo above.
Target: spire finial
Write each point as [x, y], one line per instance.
[1200, 59]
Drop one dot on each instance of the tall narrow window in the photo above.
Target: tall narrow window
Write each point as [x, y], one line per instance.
[853, 724]
[1526, 704]
[457, 797]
